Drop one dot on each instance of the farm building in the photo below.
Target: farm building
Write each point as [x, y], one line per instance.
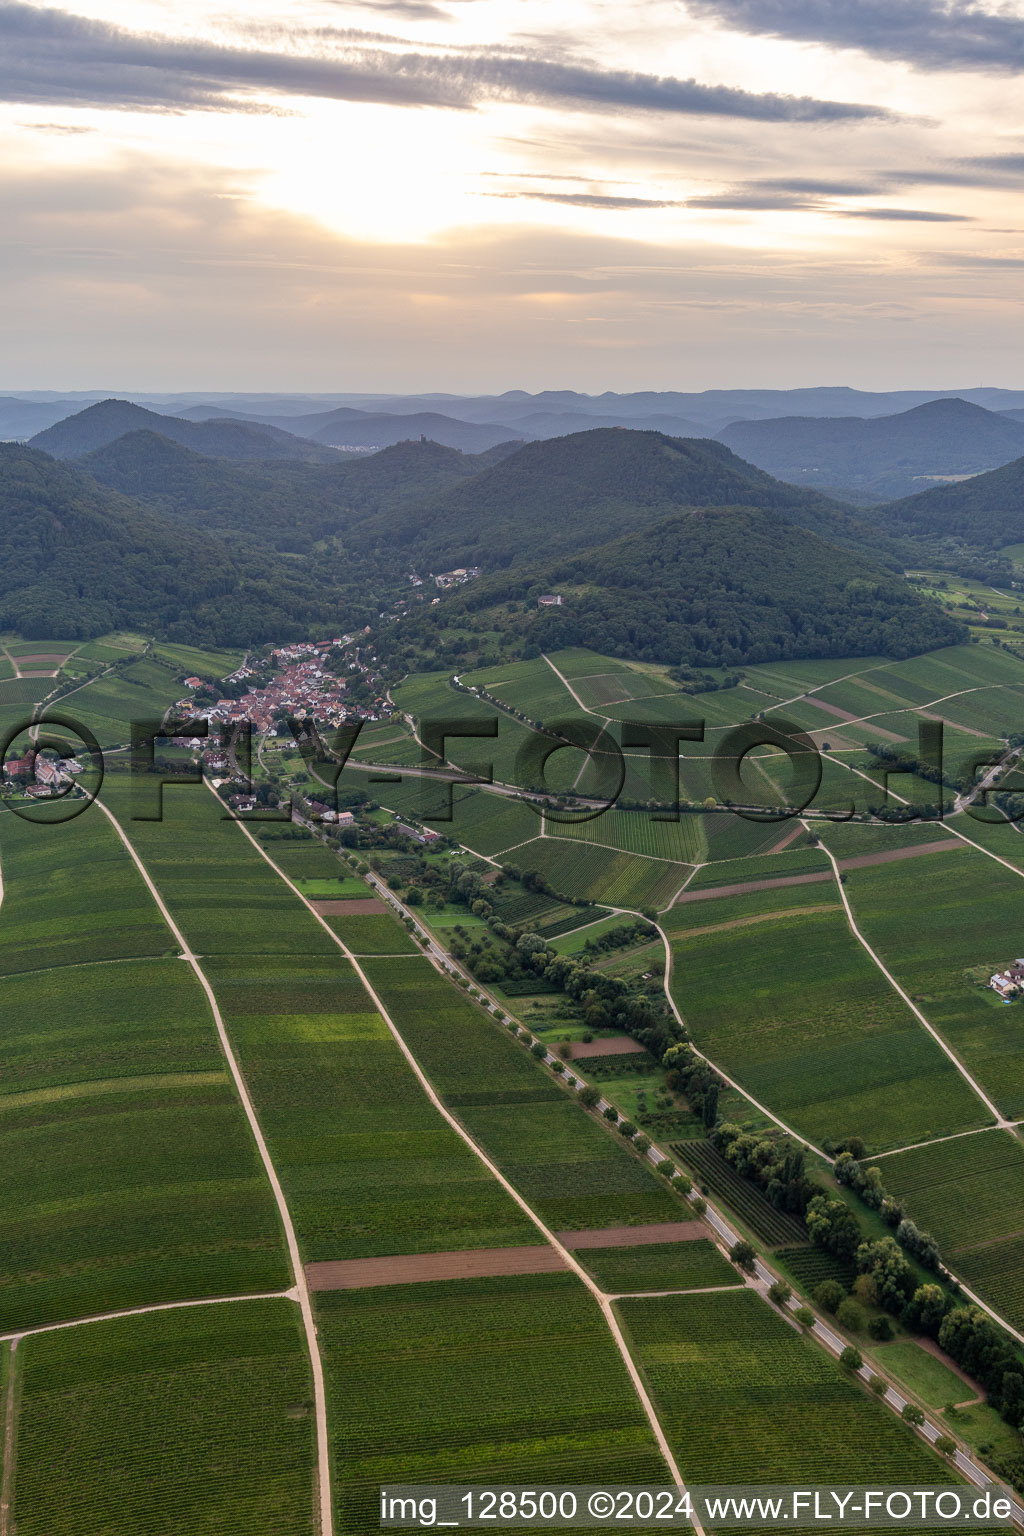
[1009, 983]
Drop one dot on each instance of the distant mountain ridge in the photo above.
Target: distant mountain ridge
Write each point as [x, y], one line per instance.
[545, 413]
[103, 423]
[289, 506]
[884, 457]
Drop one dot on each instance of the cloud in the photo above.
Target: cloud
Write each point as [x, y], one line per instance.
[62, 128]
[590, 200]
[903, 215]
[146, 274]
[808, 194]
[58, 58]
[932, 34]
[754, 201]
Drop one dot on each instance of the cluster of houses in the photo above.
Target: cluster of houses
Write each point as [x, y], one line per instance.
[304, 687]
[41, 776]
[456, 578]
[1009, 983]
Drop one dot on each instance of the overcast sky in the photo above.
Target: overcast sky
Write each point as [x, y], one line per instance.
[477, 195]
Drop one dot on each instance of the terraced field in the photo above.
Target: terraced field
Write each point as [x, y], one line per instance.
[197, 1421]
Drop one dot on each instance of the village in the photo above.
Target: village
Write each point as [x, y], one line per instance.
[303, 687]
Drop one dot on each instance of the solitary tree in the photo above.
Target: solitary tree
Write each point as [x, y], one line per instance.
[913, 1415]
[743, 1255]
[851, 1358]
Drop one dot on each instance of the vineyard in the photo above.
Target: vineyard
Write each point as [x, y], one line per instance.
[659, 1267]
[638, 832]
[476, 1381]
[303, 858]
[792, 1007]
[574, 1171]
[969, 1194]
[491, 823]
[195, 1421]
[373, 934]
[130, 1174]
[324, 1071]
[720, 1178]
[586, 871]
[72, 897]
[810, 1266]
[739, 1392]
[930, 944]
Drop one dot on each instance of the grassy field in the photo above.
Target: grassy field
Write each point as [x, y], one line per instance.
[934, 1383]
[659, 1267]
[196, 1421]
[340, 888]
[477, 1381]
[744, 1399]
[969, 1194]
[776, 989]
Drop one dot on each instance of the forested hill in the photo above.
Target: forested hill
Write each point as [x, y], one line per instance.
[714, 587]
[550, 497]
[103, 423]
[289, 506]
[77, 559]
[986, 511]
[884, 457]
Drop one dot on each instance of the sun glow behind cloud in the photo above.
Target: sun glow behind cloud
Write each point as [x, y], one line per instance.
[478, 137]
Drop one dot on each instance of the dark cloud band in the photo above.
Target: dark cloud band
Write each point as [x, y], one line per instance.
[52, 57]
[933, 34]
